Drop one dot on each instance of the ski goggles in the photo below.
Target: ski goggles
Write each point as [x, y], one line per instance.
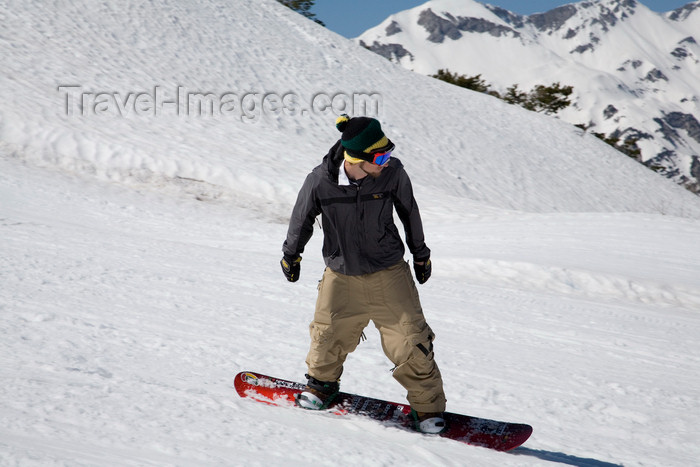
[381, 158]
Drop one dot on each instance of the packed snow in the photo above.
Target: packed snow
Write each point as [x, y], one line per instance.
[139, 261]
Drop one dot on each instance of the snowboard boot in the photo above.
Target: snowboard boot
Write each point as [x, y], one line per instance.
[431, 423]
[317, 395]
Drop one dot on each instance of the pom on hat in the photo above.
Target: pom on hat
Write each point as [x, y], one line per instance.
[342, 122]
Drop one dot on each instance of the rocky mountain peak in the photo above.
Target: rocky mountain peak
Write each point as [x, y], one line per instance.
[634, 71]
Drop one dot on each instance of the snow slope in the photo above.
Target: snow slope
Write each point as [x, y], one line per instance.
[139, 257]
[125, 315]
[67, 53]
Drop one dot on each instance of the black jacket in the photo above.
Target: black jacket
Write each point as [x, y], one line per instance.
[359, 234]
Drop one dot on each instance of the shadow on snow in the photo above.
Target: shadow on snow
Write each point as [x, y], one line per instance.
[562, 458]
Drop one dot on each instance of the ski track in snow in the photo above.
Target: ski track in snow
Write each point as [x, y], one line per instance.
[126, 314]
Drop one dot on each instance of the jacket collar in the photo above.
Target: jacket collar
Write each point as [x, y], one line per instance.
[333, 161]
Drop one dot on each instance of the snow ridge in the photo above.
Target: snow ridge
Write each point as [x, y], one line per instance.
[634, 71]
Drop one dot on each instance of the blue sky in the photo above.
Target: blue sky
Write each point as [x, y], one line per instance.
[352, 18]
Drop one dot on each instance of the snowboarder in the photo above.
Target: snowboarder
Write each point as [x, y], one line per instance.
[355, 189]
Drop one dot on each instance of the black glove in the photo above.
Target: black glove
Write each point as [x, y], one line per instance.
[423, 270]
[291, 267]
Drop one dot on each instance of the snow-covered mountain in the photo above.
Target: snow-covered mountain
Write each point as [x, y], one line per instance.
[150, 154]
[634, 72]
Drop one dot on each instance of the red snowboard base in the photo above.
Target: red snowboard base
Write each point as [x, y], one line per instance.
[501, 436]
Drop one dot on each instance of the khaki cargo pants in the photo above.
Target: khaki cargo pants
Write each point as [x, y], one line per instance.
[389, 298]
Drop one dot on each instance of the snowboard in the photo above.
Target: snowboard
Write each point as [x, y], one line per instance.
[492, 434]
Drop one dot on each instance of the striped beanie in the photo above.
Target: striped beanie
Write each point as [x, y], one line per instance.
[362, 136]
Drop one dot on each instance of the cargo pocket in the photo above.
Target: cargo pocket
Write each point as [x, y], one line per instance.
[324, 359]
[321, 334]
[423, 341]
[419, 374]
[320, 355]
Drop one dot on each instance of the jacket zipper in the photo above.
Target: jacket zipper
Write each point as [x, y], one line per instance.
[359, 216]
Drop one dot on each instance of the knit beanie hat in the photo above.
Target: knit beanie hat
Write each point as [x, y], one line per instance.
[362, 136]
